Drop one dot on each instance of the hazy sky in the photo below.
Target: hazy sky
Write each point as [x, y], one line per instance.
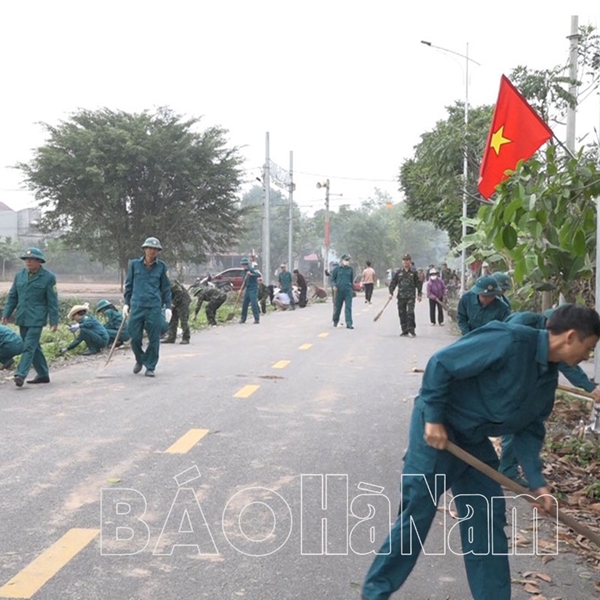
[346, 85]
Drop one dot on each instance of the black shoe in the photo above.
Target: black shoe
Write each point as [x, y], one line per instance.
[404, 334]
[9, 364]
[335, 324]
[38, 379]
[19, 381]
[184, 342]
[167, 341]
[349, 327]
[90, 352]
[257, 322]
[149, 373]
[137, 368]
[412, 334]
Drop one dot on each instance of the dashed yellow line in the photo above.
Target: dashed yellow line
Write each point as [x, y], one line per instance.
[282, 364]
[26, 583]
[323, 335]
[186, 442]
[305, 347]
[246, 391]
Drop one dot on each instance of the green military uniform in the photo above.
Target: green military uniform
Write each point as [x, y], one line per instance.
[34, 297]
[477, 387]
[11, 345]
[471, 314]
[251, 277]
[93, 333]
[342, 279]
[214, 298]
[285, 285]
[180, 300]
[113, 321]
[407, 281]
[147, 289]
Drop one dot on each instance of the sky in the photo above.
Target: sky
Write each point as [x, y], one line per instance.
[346, 86]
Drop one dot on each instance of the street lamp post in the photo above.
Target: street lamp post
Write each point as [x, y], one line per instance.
[465, 156]
[326, 257]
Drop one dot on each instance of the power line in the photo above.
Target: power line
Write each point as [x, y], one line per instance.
[346, 178]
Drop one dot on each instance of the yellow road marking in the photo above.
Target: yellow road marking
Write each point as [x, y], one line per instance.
[305, 347]
[323, 335]
[26, 583]
[246, 391]
[282, 364]
[186, 442]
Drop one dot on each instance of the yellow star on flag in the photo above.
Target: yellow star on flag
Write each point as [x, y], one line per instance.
[498, 140]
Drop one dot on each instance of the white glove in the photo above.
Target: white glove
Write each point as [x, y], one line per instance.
[74, 327]
[168, 314]
[125, 310]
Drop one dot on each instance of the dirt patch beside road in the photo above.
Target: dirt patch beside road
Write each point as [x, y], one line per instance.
[82, 290]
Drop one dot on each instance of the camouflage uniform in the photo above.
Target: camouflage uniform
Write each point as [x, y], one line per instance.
[406, 281]
[180, 302]
[214, 298]
[264, 294]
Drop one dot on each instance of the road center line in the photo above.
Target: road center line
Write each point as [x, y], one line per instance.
[187, 441]
[305, 347]
[246, 391]
[26, 583]
[323, 335]
[282, 364]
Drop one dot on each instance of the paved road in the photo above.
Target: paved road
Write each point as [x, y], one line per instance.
[215, 466]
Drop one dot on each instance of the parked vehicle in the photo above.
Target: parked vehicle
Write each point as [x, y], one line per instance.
[233, 277]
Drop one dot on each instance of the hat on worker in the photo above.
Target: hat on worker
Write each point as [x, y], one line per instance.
[102, 304]
[32, 252]
[152, 242]
[433, 271]
[345, 256]
[486, 286]
[406, 257]
[245, 261]
[77, 309]
[504, 282]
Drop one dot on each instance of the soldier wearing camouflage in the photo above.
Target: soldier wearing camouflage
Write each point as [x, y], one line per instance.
[407, 281]
[214, 298]
[180, 302]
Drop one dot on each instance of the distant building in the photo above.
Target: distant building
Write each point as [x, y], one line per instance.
[21, 225]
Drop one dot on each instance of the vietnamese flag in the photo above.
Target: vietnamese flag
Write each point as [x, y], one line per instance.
[516, 133]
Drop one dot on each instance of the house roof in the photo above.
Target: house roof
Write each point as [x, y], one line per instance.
[5, 207]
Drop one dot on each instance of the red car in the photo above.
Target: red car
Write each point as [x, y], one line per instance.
[234, 276]
[357, 286]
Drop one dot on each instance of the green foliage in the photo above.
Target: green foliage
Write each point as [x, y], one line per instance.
[108, 179]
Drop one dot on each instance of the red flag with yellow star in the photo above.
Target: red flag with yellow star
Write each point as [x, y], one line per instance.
[516, 133]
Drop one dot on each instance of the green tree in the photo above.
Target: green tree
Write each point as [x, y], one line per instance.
[108, 179]
[9, 253]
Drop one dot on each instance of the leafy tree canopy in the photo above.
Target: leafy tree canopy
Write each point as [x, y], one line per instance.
[109, 179]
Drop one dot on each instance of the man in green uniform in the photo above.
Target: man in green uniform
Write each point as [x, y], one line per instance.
[113, 319]
[498, 380]
[285, 285]
[480, 305]
[214, 298]
[505, 284]
[11, 345]
[407, 281]
[147, 290]
[33, 295]
[86, 329]
[250, 289]
[509, 464]
[342, 278]
[180, 302]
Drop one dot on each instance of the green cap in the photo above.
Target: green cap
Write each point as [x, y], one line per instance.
[486, 286]
[102, 304]
[152, 242]
[503, 280]
[345, 256]
[32, 252]
[245, 261]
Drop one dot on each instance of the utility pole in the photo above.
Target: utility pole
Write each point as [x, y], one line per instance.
[291, 218]
[326, 257]
[573, 59]
[266, 245]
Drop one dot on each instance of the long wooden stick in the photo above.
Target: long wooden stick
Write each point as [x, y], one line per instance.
[115, 342]
[519, 489]
[381, 311]
[574, 390]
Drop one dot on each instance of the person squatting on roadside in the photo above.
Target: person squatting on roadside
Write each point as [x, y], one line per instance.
[342, 279]
[147, 289]
[250, 290]
[285, 285]
[180, 307]
[33, 295]
[436, 292]
[302, 288]
[480, 305]
[86, 329]
[113, 319]
[214, 298]
[368, 280]
[407, 281]
[499, 379]
[11, 345]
